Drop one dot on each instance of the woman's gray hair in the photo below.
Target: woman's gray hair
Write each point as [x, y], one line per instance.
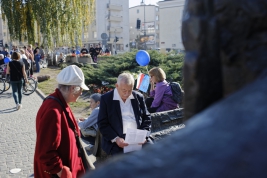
[126, 78]
[96, 97]
[66, 88]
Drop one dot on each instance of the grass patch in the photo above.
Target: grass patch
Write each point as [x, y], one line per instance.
[48, 86]
[79, 108]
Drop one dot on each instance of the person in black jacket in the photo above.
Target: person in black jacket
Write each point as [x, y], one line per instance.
[16, 70]
[84, 50]
[92, 52]
[120, 109]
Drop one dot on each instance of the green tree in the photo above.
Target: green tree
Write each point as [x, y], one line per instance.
[57, 21]
[109, 68]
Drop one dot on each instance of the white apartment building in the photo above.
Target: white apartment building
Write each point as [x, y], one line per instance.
[170, 24]
[149, 28]
[112, 19]
[4, 34]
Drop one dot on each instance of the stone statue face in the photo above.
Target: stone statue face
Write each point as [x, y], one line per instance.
[225, 45]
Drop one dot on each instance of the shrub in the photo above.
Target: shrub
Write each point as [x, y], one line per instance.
[108, 69]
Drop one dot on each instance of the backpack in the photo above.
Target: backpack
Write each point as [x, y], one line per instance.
[177, 92]
[26, 63]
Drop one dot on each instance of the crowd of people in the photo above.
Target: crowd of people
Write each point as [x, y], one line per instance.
[112, 114]
[18, 65]
[94, 51]
[32, 56]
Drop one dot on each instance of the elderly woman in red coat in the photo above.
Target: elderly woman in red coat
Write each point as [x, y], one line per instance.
[56, 152]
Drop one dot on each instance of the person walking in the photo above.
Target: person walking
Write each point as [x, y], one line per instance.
[26, 62]
[16, 71]
[31, 57]
[56, 152]
[37, 58]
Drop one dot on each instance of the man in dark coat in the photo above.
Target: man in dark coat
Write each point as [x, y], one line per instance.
[120, 109]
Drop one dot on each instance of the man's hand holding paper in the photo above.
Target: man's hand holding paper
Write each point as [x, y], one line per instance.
[135, 138]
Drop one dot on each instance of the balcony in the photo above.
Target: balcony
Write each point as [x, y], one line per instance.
[115, 18]
[113, 29]
[114, 7]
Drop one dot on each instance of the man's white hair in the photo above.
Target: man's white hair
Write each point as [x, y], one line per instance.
[125, 78]
[1, 55]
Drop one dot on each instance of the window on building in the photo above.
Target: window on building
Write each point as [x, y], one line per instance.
[137, 11]
[4, 33]
[85, 36]
[150, 30]
[157, 27]
[173, 45]
[157, 17]
[95, 34]
[157, 9]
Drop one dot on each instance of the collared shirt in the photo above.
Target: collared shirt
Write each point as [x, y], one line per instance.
[127, 113]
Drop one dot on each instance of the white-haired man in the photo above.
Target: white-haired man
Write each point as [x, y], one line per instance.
[120, 109]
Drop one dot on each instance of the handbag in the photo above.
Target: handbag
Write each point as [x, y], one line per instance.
[81, 151]
[89, 131]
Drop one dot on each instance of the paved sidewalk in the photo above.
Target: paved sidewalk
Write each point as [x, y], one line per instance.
[17, 134]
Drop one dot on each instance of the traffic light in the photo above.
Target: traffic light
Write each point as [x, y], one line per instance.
[138, 23]
[116, 39]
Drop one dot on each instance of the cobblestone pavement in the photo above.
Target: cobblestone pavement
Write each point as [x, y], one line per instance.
[17, 134]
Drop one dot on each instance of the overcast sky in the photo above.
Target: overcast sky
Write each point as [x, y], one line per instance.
[137, 2]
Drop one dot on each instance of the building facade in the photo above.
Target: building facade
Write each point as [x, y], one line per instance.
[147, 37]
[170, 24]
[4, 34]
[111, 21]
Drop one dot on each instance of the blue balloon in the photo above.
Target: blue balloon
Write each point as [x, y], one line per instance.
[142, 58]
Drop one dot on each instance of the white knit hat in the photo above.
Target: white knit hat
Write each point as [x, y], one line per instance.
[72, 75]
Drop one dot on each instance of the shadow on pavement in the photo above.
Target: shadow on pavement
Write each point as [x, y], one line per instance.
[8, 110]
[6, 95]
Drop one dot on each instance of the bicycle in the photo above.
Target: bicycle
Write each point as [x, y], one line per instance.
[4, 86]
[28, 89]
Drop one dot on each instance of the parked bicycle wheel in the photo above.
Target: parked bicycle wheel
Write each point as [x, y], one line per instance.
[30, 87]
[7, 85]
[2, 85]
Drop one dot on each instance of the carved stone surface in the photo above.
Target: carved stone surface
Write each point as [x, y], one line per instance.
[165, 123]
[225, 98]
[226, 49]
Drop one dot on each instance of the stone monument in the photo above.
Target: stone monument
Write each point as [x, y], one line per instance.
[225, 83]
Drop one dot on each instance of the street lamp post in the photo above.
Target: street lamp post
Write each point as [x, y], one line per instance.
[144, 22]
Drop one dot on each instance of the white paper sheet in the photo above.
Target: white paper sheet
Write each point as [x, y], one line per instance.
[132, 147]
[133, 138]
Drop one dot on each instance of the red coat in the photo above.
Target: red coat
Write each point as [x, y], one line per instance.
[55, 143]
